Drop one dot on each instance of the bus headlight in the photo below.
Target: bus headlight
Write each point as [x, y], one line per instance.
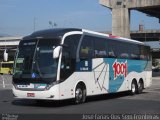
[51, 85]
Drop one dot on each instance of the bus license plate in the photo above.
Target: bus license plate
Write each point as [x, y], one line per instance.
[30, 95]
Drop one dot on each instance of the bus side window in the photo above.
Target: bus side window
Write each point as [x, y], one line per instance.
[112, 46]
[68, 63]
[101, 49]
[144, 53]
[111, 54]
[87, 49]
[135, 53]
[124, 52]
[124, 55]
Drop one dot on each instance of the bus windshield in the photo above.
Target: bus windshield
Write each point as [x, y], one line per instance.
[35, 60]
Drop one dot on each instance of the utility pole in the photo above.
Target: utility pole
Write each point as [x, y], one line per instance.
[34, 24]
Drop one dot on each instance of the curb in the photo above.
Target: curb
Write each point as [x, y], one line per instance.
[156, 78]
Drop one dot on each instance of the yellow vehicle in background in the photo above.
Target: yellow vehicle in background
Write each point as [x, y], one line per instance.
[6, 67]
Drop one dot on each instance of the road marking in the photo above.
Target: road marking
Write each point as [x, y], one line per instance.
[3, 82]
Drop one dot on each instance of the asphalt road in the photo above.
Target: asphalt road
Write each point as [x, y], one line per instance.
[122, 103]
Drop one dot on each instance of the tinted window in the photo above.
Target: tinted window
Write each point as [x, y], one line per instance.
[97, 47]
[87, 47]
[144, 53]
[134, 51]
[113, 48]
[123, 50]
[68, 63]
[100, 49]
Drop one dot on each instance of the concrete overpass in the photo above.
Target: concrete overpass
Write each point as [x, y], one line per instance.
[146, 35]
[121, 13]
[10, 43]
[7, 42]
[150, 37]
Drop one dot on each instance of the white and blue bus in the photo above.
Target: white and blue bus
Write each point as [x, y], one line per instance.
[60, 64]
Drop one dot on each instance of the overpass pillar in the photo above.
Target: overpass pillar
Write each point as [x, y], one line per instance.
[121, 13]
[120, 17]
[121, 22]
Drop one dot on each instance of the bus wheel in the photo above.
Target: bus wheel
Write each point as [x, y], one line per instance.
[80, 94]
[140, 87]
[134, 88]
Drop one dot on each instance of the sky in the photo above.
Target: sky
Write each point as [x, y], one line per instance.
[22, 17]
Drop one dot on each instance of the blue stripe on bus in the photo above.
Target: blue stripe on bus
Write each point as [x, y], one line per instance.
[114, 82]
[132, 65]
[84, 66]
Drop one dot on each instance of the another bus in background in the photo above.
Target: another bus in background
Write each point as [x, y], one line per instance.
[6, 67]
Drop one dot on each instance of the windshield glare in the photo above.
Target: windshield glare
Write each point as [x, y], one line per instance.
[35, 59]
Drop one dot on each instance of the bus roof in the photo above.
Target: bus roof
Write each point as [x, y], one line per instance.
[51, 33]
[59, 32]
[113, 37]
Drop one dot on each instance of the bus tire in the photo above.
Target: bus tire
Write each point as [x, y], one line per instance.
[134, 87]
[140, 87]
[41, 102]
[80, 94]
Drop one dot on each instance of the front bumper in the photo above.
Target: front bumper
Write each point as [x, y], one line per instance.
[51, 94]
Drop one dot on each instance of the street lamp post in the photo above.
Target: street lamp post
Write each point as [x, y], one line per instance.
[52, 24]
